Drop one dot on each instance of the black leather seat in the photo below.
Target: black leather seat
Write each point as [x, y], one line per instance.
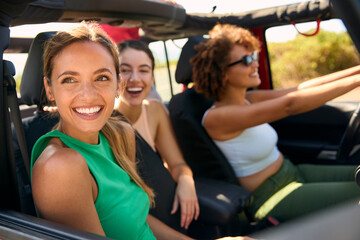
[32, 92]
[219, 202]
[216, 213]
[186, 112]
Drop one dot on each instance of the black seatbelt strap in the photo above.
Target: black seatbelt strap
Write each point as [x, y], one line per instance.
[12, 173]
[15, 115]
[22, 178]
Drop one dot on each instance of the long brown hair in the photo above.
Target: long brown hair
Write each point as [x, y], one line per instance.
[114, 130]
[213, 57]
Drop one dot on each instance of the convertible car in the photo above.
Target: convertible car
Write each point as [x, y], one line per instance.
[326, 135]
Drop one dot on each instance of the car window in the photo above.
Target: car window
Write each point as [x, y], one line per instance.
[295, 58]
[162, 78]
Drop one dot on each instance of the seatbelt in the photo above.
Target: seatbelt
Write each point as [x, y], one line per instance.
[15, 113]
[23, 182]
[10, 158]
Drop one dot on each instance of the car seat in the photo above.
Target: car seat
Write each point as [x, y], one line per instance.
[186, 112]
[219, 202]
[32, 92]
[217, 212]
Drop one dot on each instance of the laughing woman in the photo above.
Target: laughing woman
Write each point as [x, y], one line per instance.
[150, 118]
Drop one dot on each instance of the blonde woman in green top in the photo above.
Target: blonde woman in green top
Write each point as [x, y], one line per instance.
[81, 77]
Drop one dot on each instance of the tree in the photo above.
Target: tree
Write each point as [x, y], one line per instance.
[307, 57]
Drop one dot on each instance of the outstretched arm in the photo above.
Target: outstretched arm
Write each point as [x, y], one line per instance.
[228, 121]
[262, 95]
[330, 77]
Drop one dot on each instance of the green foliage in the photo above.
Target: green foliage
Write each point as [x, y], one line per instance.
[18, 81]
[308, 57]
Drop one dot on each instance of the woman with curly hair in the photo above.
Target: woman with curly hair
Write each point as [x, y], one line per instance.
[225, 68]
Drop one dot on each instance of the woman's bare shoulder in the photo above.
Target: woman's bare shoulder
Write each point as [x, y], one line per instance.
[58, 160]
[155, 106]
[61, 180]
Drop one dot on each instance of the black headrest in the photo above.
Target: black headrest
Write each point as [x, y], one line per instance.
[32, 84]
[184, 68]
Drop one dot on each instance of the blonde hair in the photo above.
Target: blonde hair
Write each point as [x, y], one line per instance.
[114, 129]
[213, 57]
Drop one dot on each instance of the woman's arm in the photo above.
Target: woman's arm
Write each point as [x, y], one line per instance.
[64, 190]
[163, 232]
[166, 144]
[229, 121]
[330, 77]
[263, 95]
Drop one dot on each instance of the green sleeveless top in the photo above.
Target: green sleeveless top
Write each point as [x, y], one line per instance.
[122, 206]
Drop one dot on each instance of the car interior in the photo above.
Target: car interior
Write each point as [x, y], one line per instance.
[219, 213]
[305, 137]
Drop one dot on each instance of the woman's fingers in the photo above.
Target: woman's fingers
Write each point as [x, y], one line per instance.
[189, 211]
[197, 210]
[175, 205]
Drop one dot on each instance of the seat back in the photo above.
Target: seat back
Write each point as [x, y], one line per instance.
[151, 169]
[32, 85]
[186, 112]
[33, 93]
[201, 154]
[183, 70]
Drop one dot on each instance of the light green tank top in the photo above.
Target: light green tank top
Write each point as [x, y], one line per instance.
[122, 206]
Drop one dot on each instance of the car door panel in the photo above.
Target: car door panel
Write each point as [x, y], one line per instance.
[314, 136]
[16, 225]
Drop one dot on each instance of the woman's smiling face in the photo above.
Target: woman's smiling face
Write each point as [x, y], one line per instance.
[137, 74]
[240, 75]
[84, 85]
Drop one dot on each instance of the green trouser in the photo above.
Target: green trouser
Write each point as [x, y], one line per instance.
[298, 190]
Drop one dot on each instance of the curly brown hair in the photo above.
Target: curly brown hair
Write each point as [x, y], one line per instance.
[213, 56]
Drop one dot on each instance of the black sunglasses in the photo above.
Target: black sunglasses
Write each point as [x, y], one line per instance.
[247, 60]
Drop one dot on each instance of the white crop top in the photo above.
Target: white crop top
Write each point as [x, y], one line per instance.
[252, 151]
